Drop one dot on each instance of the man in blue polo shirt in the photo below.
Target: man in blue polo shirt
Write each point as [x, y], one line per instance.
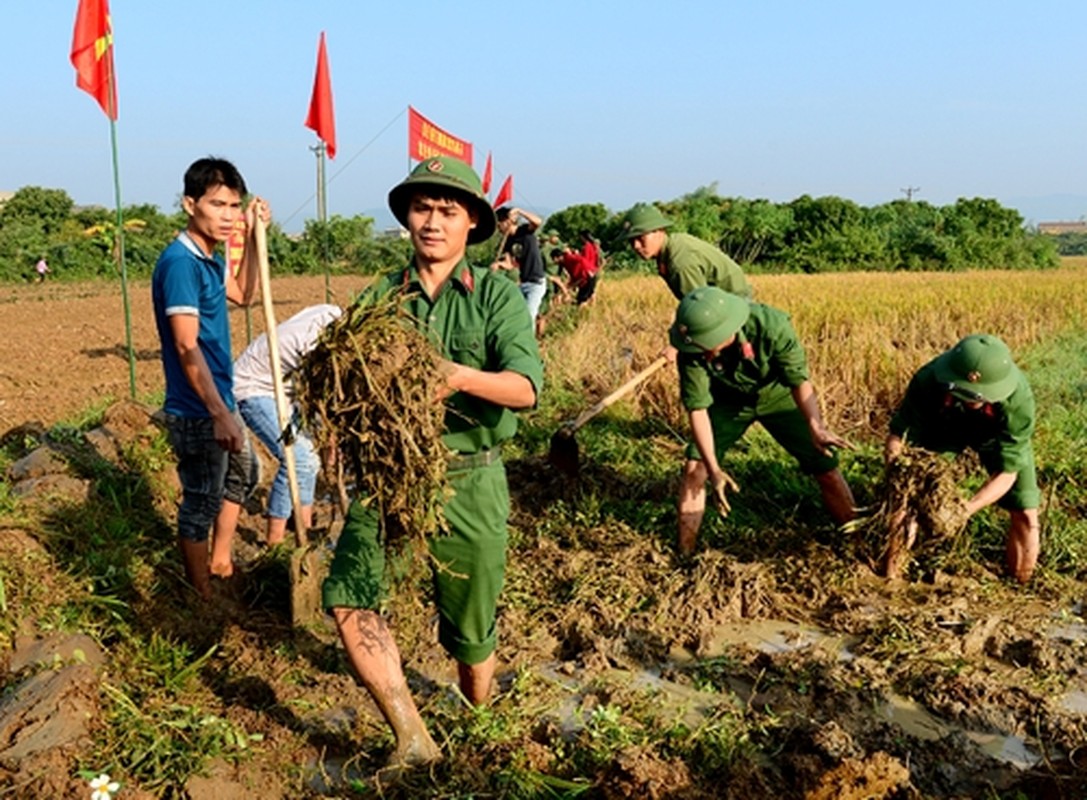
[189, 290]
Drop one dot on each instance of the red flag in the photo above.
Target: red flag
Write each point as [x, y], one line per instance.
[320, 118]
[505, 193]
[92, 54]
[487, 174]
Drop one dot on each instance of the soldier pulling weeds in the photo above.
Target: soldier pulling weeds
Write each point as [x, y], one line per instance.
[973, 396]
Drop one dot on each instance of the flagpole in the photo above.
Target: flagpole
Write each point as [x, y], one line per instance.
[121, 237]
[322, 214]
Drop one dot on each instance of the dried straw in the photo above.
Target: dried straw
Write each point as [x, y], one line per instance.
[369, 387]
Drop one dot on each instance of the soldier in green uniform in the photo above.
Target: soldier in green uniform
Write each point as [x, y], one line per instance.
[974, 396]
[684, 261]
[481, 322]
[741, 362]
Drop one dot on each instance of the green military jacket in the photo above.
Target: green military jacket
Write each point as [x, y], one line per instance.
[930, 417]
[478, 319]
[766, 359]
[686, 263]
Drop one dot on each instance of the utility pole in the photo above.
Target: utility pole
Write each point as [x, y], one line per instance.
[322, 213]
[908, 191]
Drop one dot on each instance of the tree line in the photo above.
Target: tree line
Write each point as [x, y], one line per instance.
[820, 234]
[832, 234]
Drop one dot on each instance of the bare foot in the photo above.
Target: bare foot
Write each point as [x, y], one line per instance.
[222, 570]
[418, 751]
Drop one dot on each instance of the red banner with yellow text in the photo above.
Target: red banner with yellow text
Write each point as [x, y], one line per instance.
[426, 140]
[235, 246]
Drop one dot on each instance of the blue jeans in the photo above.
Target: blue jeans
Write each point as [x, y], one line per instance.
[207, 473]
[260, 415]
[534, 292]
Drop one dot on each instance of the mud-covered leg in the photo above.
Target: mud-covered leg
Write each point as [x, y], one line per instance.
[194, 555]
[376, 660]
[1023, 544]
[476, 679]
[691, 505]
[222, 539]
[837, 496]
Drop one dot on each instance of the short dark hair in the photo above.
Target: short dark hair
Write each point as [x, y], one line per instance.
[502, 214]
[207, 173]
[556, 252]
[586, 234]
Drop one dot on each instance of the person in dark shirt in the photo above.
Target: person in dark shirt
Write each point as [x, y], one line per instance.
[521, 252]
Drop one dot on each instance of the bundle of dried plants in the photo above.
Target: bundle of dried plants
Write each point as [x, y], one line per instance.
[370, 389]
[919, 505]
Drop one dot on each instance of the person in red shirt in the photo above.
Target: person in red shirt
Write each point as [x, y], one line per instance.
[590, 251]
[581, 272]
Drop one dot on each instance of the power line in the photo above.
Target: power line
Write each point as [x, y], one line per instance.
[347, 164]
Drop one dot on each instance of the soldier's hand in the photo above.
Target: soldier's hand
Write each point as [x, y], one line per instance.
[448, 371]
[722, 483]
[825, 441]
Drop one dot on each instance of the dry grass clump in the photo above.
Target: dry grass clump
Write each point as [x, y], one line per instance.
[919, 506]
[369, 387]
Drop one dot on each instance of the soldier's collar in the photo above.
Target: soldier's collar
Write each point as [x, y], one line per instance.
[460, 276]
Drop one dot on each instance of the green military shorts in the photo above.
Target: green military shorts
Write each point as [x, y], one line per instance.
[470, 562]
[778, 413]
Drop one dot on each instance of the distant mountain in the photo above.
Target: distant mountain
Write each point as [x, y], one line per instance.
[1050, 208]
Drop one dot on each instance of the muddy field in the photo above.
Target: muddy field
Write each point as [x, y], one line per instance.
[836, 683]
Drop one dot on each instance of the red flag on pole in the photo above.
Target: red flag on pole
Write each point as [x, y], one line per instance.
[487, 174]
[505, 193]
[92, 54]
[320, 118]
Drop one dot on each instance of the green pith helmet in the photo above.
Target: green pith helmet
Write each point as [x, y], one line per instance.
[444, 174]
[978, 369]
[706, 317]
[643, 218]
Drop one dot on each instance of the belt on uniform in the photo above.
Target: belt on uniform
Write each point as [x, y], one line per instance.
[462, 461]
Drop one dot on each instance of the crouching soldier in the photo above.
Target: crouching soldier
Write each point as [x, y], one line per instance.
[974, 396]
[739, 363]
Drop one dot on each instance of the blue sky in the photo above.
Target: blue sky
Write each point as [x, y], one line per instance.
[611, 102]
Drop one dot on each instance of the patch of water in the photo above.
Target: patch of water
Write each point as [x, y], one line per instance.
[777, 636]
[1075, 632]
[692, 705]
[916, 721]
[1075, 701]
[333, 776]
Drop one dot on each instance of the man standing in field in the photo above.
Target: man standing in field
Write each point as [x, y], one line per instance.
[521, 252]
[684, 261]
[190, 287]
[974, 396]
[739, 363]
[493, 367]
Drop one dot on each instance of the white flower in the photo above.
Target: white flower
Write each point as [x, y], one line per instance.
[104, 788]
